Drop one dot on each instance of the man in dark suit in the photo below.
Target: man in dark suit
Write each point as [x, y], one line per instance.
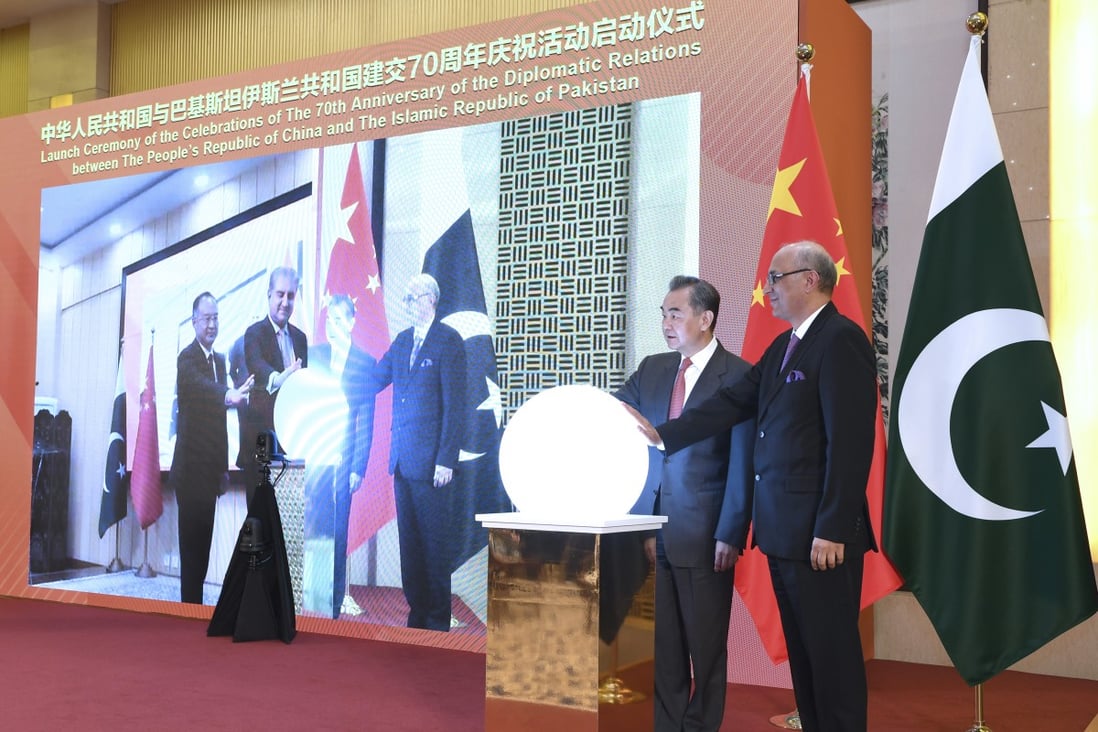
[273, 349]
[705, 492]
[201, 444]
[329, 488]
[814, 399]
[426, 366]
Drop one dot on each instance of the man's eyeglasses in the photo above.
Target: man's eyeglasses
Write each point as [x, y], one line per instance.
[205, 319]
[410, 298]
[773, 277]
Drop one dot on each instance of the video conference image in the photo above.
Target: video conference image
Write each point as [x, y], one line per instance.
[307, 292]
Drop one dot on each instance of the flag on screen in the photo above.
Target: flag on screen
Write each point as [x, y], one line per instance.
[983, 514]
[353, 270]
[453, 262]
[112, 506]
[148, 502]
[448, 237]
[803, 207]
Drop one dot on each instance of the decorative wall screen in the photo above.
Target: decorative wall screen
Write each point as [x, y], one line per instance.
[563, 246]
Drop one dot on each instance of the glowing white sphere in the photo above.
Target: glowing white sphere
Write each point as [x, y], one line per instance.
[310, 417]
[573, 453]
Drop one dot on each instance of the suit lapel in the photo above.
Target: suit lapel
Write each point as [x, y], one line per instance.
[708, 380]
[777, 380]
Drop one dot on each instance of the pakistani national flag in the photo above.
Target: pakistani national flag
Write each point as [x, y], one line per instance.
[982, 510]
[451, 259]
[112, 505]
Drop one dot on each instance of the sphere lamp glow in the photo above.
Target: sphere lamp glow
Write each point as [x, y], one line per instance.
[310, 417]
[573, 453]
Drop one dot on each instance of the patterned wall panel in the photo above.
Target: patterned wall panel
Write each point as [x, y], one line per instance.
[162, 42]
[563, 245]
[14, 69]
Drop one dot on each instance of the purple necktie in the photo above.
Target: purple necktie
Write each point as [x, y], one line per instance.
[793, 341]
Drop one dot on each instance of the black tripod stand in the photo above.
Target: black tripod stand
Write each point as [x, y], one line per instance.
[257, 601]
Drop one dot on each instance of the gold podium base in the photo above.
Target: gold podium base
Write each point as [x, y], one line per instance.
[543, 666]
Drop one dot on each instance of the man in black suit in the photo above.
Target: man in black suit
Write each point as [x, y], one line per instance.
[426, 366]
[273, 349]
[814, 399]
[705, 492]
[329, 488]
[201, 444]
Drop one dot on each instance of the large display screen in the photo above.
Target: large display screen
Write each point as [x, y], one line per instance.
[549, 173]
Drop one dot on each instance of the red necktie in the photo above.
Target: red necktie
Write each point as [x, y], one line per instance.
[793, 341]
[678, 392]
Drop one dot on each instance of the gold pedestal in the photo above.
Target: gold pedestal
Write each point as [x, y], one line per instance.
[551, 589]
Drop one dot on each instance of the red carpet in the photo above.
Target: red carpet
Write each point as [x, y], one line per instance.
[85, 668]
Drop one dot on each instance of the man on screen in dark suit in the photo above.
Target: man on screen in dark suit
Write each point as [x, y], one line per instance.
[705, 492]
[426, 366]
[814, 396]
[273, 349]
[202, 443]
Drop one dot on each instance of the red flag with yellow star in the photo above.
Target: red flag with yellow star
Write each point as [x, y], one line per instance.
[802, 207]
[353, 271]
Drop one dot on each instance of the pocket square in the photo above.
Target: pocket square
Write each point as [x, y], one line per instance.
[794, 375]
[428, 363]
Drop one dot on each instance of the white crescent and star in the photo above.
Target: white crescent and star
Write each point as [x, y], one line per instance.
[470, 323]
[926, 404]
[121, 470]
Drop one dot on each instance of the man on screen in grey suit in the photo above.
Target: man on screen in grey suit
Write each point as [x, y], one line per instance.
[274, 349]
[705, 492]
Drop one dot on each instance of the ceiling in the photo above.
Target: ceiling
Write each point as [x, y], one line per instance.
[17, 12]
[81, 218]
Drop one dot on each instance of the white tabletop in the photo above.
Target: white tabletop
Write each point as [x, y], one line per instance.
[571, 524]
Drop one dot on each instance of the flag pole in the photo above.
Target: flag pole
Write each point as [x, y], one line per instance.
[612, 688]
[979, 725]
[146, 570]
[976, 23]
[116, 563]
[805, 53]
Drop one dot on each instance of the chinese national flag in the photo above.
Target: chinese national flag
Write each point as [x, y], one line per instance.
[353, 271]
[148, 502]
[803, 207]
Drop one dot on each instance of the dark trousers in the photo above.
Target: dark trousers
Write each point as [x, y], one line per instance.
[819, 611]
[196, 525]
[693, 605]
[425, 548]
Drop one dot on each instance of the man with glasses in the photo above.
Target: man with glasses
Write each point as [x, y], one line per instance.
[201, 455]
[426, 366]
[814, 396]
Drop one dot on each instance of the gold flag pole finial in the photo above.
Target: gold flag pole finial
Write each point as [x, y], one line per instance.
[976, 24]
[805, 53]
